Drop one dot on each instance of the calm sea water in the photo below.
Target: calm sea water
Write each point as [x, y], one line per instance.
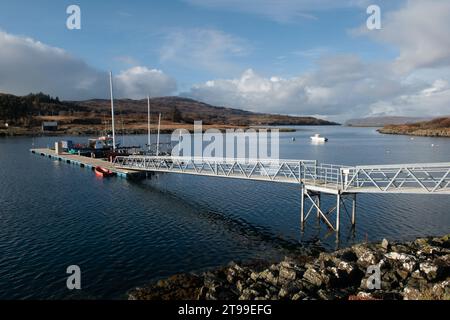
[124, 234]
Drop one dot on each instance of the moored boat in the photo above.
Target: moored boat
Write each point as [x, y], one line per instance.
[318, 138]
[102, 172]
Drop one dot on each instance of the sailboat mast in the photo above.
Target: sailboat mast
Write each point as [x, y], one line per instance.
[112, 111]
[149, 143]
[159, 130]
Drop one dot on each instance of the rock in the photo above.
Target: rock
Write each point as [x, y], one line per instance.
[421, 242]
[419, 284]
[240, 285]
[410, 293]
[313, 277]
[385, 244]
[287, 274]
[363, 296]
[442, 290]
[416, 275]
[366, 256]
[270, 276]
[347, 255]
[403, 274]
[331, 294]
[389, 280]
[254, 276]
[290, 289]
[408, 262]
[367, 259]
[438, 291]
[202, 293]
[430, 270]
[418, 270]
[299, 296]
[248, 294]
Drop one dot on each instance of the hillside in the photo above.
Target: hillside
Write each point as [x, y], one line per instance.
[383, 121]
[25, 115]
[187, 110]
[439, 127]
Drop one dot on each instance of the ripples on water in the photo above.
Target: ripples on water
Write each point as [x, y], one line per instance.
[123, 234]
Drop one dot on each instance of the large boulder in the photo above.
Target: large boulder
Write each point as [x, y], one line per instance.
[314, 277]
[429, 269]
[405, 261]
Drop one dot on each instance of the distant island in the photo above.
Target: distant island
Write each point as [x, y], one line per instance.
[384, 121]
[439, 127]
[25, 115]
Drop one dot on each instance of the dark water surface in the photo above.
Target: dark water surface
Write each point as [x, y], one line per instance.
[123, 234]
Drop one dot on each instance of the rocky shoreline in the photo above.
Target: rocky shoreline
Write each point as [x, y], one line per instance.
[444, 133]
[417, 270]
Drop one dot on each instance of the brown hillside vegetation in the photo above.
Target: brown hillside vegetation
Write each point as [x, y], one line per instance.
[25, 115]
[439, 127]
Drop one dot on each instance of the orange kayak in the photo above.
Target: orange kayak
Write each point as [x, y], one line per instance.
[102, 172]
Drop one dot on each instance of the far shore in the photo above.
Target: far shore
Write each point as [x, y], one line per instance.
[438, 133]
[166, 128]
[439, 127]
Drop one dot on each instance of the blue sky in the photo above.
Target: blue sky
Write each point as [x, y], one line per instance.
[114, 29]
[207, 49]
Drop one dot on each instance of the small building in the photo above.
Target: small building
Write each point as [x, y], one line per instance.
[49, 126]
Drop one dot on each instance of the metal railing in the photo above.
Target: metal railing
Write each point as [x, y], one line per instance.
[404, 178]
[289, 171]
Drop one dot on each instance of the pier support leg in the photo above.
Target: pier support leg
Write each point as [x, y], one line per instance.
[338, 211]
[354, 210]
[318, 205]
[302, 206]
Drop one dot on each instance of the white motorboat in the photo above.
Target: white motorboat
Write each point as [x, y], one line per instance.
[318, 138]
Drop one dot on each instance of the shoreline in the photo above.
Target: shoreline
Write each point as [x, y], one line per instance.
[413, 270]
[418, 133]
[14, 132]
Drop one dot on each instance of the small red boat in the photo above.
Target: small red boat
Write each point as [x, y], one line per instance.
[102, 172]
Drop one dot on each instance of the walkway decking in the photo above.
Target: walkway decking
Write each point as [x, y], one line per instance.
[87, 162]
[315, 180]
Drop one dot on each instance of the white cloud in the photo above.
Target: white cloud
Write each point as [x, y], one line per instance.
[433, 101]
[27, 65]
[420, 31]
[322, 91]
[136, 82]
[414, 83]
[207, 49]
[340, 87]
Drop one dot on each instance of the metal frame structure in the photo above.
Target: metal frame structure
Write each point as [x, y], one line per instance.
[287, 171]
[404, 178]
[314, 179]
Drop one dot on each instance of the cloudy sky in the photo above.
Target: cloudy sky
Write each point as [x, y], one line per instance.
[299, 57]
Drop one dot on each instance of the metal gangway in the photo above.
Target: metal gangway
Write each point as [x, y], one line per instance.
[314, 179]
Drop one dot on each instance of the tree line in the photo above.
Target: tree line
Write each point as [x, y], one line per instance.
[15, 109]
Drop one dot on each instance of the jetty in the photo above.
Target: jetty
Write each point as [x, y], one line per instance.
[87, 162]
[314, 179]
